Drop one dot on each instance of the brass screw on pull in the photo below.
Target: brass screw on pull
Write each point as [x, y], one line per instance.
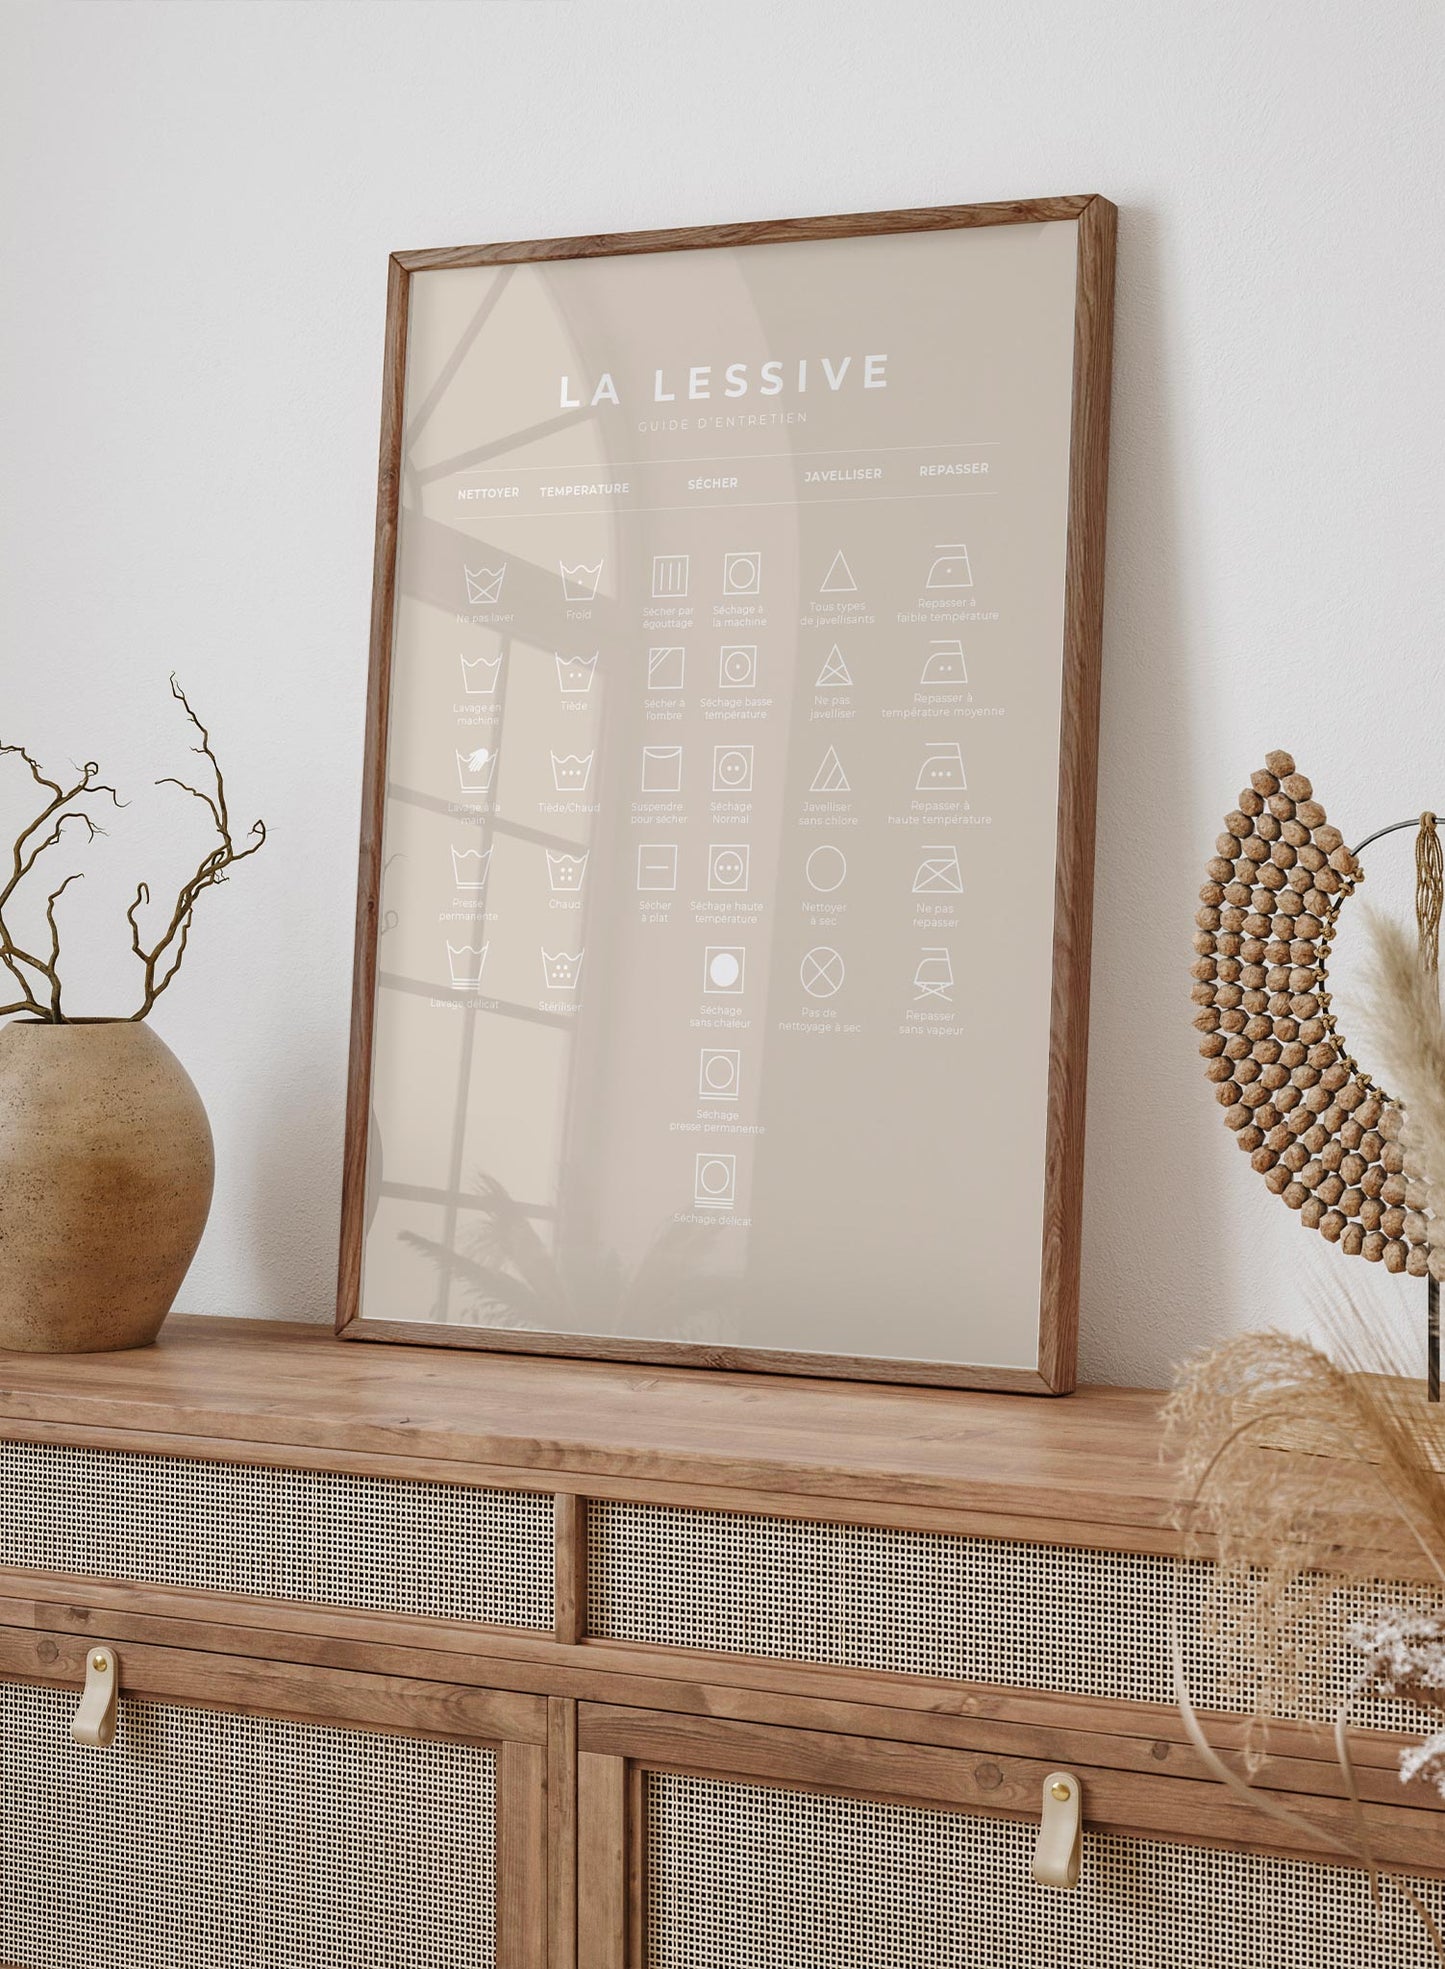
[1060, 1791]
[101, 1662]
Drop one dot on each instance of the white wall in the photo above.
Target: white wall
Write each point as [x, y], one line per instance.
[199, 198]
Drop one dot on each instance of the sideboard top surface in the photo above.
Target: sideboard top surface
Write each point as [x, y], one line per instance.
[1091, 1457]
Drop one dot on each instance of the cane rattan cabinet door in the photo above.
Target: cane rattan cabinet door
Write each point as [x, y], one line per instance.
[215, 1837]
[687, 1864]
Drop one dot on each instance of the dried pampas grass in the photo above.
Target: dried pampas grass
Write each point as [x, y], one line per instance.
[1299, 1472]
[1399, 1010]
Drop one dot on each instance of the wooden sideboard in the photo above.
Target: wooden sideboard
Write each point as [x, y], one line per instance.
[450, 1659]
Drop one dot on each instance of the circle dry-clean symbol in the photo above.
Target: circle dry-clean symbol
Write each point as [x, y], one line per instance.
[826, 869]
[821, 972]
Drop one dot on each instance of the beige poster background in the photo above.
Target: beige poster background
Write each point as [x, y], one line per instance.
[717, 902]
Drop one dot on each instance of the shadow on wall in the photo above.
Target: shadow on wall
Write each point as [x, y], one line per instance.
[1154, 1189]
[288, 1196]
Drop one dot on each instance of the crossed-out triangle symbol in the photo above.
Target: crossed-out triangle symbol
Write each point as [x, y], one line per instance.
[839, 578]
[830, 776]
[835, 671]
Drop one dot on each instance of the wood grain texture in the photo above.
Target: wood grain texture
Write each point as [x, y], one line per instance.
[522, 1856]
[252, 1686]
[756, 232]
[602, 1861]
[1126, 1735]
[1080, 1472]
[686, 1353]
[561, 1833]
[1057, 1342]
[571, 1567]
[1078, 790]
[1131, 1803]
[373, 799]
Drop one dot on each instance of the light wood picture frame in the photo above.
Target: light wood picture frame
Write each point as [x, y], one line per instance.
[709, 503]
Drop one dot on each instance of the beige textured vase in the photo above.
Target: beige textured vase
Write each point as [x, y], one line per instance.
[106, 1167]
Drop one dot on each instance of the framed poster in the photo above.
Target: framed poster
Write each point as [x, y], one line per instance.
[722, 954]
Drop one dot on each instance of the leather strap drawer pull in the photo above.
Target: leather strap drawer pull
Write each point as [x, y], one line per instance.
[94, 1720]
[1056, 1856]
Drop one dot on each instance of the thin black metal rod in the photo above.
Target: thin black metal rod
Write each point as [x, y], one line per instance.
[1393, 828]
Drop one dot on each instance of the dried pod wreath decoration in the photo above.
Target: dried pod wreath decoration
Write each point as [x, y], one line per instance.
[1314, 1124]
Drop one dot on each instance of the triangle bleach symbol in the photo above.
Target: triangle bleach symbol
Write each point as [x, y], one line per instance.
[835, 671]
[839, 578]
[830, 776]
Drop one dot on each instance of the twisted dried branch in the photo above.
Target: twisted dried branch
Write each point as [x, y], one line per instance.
[37, 975]
[162, 959]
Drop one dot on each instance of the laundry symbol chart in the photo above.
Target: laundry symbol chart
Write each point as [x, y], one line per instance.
[662, 768]
[830, 776]
[466, 962]
[579, 582]
[575, 674]
[724, 967]
[665, 667]
[944, 664]
[565, 872]
[484, 584]
[480, 674]
[657, 867]
[727, 866]
[835, 674]
[669, 576]
[950, 569]
[938, 873]
[561, 969]
[732, 769]
[571, 771]
[715, 1181]
[942, 767]
[839, 578]
[719, 1074]
[821, 972]
[476, 769]
[737, 667]
[469, 867]
[934, 976]
[742, 574]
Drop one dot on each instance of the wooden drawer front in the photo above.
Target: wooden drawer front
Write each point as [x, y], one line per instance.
[996, 1611]
[457, 1552]
[209, 1841]
[748, 1876]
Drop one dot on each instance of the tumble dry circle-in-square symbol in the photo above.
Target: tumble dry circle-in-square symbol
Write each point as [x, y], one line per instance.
[737, 667]
[732, 769]
[724, 968]
[821, 972]
[715, 1182]
[742, 574]
[727, 866]
[718, 1073]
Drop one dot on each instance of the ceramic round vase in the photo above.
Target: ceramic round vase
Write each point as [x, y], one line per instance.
[106, 1167]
